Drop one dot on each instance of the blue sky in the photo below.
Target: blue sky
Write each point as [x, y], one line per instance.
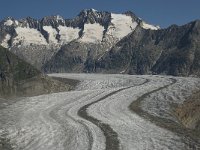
[158, 12]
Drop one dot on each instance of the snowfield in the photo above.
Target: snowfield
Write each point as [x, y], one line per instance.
[26, 36]
[100, 114]
[92, 33]
[121, 25]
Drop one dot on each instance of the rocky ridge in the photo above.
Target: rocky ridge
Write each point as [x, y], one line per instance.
[171, 51]
[36, 41]
[104, 42]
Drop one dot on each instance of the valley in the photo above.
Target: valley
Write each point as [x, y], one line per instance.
[103, 112]
[64, 83]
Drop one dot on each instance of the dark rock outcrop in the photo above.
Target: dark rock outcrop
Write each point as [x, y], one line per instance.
[18, 78]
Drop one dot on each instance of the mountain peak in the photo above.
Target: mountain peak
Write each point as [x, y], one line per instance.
[92, 9]
[53, 17]
[87, 12]
[8, 21]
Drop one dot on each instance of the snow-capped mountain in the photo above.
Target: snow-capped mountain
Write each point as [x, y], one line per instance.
[37, 41]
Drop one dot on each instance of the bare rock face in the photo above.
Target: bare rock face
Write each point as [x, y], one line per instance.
[18, 78]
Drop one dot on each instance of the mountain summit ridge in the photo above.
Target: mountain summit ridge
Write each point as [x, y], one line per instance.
[171, 51]
[31, 38]
[100, 41]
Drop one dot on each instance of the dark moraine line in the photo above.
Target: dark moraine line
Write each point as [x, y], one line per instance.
[89, 133]
[189, 138]
[53, 114]
[72, 82]
[112, 142]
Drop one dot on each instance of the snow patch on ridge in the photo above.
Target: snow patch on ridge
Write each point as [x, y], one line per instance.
[52, 34]
[68, 34]
[121, 26]
[94, 10]
[148, 26]
[16, 22]
[27, 36]
[5, 41]
[92, 33]
[8, 22]
[59, 18]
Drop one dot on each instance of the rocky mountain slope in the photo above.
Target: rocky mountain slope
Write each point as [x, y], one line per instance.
[18, 78]
[36, 41]
[104, 42]
[171, 51]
